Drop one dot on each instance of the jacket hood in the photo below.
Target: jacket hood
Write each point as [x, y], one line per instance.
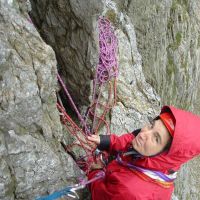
[185, 144]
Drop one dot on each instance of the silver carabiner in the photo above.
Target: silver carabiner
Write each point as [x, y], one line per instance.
[73, 192]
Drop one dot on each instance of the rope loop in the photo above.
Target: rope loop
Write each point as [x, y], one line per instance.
[108, 66]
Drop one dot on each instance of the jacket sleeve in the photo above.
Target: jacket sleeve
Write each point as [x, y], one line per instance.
[113, 143]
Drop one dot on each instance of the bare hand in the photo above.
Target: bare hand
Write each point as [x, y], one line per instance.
[94, 138]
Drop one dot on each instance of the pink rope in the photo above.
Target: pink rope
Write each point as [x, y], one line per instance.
[107, 66]
[73, 104]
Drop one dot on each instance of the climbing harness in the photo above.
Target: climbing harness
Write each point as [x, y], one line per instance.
[157, 177]
[70, 191]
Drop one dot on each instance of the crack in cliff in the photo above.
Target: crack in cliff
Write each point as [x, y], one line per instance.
[37, 80]
[44, 20]
[12, 186]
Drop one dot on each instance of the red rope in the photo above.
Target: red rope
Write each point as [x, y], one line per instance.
[80, 135]
[107, 68]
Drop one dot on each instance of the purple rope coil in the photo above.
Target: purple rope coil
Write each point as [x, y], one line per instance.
[108, 65]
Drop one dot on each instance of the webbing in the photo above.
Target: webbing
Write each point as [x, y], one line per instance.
[158, 177]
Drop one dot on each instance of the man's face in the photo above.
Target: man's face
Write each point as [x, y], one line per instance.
[152, 139]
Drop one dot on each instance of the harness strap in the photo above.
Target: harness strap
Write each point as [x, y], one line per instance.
[156, 176]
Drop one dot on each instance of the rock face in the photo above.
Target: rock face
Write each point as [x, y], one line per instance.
[158, 50]
[168, 40]
[31, 158]
[69, 28]
[136, 98]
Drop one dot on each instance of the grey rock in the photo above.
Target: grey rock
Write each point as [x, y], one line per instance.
[32, 161]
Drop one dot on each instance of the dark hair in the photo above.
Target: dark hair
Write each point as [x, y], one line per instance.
[168, 145]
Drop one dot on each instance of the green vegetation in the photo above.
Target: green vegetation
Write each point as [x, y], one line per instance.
[111, 15]
[174, 5]
[177, 42]
[178, 38]
[183, 3]
[183, 6]
[171, 67]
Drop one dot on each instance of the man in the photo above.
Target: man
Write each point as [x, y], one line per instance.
[147, 159]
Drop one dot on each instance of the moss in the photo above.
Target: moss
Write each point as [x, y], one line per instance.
[184, 4]
[21, 130]
[111, 15]
[177, 42]
[170, 61]
[174, 6]
[170, 67]
[178, 38]
[185, 15]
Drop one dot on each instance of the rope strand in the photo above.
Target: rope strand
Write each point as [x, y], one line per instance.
[107, 69]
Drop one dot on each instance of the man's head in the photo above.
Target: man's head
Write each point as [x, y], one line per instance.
[156, 137]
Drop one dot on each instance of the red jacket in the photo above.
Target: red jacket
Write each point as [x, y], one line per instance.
[120, 183]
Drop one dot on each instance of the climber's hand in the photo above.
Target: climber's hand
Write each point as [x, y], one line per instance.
[94, 138]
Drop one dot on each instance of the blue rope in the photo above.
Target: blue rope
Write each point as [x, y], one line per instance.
[57, 194]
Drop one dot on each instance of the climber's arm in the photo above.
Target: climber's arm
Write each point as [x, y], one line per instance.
[113, 143]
